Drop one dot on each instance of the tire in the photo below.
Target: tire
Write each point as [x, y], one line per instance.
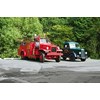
[42, 57]
[64, 58]
[72, 57]
[83, 59]
[58, 59]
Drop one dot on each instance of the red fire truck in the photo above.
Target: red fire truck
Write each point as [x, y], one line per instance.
[39, 48]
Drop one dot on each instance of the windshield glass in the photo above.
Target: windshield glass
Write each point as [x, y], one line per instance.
[74, 45]
[44, 40]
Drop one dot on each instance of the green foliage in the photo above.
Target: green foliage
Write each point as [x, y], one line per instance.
[8, 43]
[85, 30]
[12, 30]
[31, 26]
[58, 29]
[94, 38]
[61, 33]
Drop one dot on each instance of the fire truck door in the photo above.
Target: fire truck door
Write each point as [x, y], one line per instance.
[28, 50]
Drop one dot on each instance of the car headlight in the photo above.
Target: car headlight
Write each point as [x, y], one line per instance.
[86, 53]
[79, 52]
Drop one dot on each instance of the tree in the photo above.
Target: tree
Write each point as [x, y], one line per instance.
[94, 38]
[14, 29]
[87, 32]
[31, 26]
[57, 29]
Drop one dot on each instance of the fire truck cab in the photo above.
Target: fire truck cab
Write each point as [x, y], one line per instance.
[39, 48]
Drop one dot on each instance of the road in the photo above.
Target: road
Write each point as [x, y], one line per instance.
[30, 71]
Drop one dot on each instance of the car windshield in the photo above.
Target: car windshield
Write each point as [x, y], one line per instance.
[44, 40]
[74, 45]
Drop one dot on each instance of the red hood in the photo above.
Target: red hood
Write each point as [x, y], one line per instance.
[48, 44]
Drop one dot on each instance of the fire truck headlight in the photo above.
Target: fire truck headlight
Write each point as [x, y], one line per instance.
[47, 48]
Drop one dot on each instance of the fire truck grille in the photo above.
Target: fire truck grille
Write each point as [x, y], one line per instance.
[53, 49]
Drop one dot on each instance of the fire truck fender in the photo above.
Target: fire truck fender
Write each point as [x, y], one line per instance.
[59, 50]
[42, 51]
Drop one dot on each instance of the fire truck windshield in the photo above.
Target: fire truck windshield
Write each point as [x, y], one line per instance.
[44, 40]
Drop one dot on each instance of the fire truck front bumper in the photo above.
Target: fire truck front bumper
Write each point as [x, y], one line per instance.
[54, 54]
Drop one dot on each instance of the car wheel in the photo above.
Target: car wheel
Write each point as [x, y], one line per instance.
[64, 58]
[72, 57]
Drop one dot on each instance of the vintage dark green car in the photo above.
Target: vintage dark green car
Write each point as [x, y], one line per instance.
[72, 51]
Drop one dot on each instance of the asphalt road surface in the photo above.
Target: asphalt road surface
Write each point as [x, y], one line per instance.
[30, 71]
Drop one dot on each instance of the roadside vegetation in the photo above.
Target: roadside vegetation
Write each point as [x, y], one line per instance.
[85, 30]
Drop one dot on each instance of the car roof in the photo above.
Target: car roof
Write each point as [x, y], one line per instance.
[71, 42]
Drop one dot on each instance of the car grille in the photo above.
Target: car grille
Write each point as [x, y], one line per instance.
[53, 49]
[82, 53]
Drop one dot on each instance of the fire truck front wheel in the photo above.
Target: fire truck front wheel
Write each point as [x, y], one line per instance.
[42, 57]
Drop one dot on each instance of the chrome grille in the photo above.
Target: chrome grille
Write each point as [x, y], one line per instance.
[82, 53]
[53, 49]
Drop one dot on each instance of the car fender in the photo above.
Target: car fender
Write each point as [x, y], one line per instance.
[74, 54]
